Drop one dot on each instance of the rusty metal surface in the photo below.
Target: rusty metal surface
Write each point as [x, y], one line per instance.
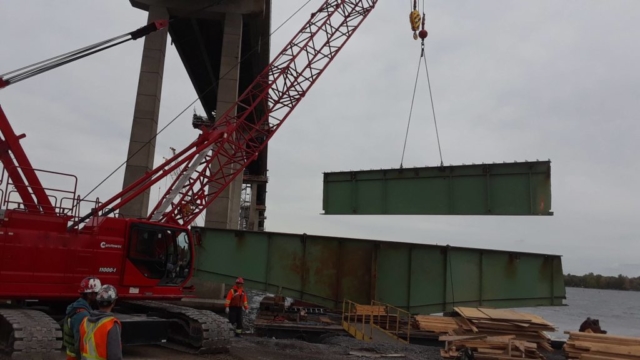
[419, 278]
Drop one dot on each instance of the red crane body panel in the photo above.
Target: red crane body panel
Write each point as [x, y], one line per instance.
[40, 259]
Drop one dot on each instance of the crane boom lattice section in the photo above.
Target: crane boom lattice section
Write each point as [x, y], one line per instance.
[260, 111]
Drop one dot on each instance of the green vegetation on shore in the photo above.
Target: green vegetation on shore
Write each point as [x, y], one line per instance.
[592, 281]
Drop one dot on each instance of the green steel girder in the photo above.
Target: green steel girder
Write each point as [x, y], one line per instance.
[420, 278]
[522, 188]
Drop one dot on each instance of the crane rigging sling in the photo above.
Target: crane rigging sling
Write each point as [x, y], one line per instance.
[416, 20]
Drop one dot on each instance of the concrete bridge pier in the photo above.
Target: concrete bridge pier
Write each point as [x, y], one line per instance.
[210, 40]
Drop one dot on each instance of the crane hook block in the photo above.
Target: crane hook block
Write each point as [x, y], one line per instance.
[415, 19]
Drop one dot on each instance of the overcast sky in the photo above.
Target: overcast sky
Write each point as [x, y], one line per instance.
[512, 80]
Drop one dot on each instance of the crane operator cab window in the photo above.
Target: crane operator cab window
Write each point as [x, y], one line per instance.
[161, 253]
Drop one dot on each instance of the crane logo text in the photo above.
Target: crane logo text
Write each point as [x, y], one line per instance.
[104, 245]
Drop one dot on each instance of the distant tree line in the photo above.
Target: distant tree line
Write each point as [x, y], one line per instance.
[592, 281]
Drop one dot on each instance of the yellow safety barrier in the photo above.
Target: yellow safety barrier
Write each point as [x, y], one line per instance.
[396, 331]
[361, 324]
[349, 310]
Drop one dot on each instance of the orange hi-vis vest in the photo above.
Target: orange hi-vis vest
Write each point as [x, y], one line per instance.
[236, 298]
[93, 338]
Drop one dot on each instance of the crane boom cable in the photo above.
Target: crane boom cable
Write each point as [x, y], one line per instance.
[60, 60]
[57, 64]
[43, 66]
[213, 86]
[65, 55]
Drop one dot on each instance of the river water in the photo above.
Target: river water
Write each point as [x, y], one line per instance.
[618, 311]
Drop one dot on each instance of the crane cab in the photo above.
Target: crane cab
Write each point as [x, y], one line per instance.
[146, 259]
[161, 254]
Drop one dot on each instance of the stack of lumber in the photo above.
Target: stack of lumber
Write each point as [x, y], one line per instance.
[370, 310]
[489, 347]
[441, 325]
[491, 322]
[586, 346]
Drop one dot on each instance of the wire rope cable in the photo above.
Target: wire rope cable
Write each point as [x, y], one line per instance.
[43, 66]
[406, 136]
[433, 110]
[423, 57]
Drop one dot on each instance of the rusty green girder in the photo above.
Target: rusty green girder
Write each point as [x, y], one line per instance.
[419, 278]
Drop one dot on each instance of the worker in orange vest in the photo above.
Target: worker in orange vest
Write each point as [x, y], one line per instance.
[100, 332]
[235, 303]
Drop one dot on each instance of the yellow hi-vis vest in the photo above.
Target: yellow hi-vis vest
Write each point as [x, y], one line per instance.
[93, 338]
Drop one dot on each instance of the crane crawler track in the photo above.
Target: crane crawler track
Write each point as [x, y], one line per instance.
[29, 334]
[194, 331]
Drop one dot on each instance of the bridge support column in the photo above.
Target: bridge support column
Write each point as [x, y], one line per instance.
[224, 212]
[145, 115]
[253, 211]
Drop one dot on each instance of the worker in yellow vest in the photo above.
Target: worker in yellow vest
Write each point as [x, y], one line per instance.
[100, 331]
[76, 312]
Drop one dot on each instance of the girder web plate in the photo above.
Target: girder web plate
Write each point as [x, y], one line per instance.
[419, 278]
[522, 188]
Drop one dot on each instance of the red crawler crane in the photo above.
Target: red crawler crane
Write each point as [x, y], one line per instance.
[46, 248]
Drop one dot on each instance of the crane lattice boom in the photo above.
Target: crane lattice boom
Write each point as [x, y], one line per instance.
[209, 164]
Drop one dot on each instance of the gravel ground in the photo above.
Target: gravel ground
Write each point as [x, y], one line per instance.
[338, 347]
[250, 348]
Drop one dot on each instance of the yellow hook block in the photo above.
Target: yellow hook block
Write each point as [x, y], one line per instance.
[415, 20]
